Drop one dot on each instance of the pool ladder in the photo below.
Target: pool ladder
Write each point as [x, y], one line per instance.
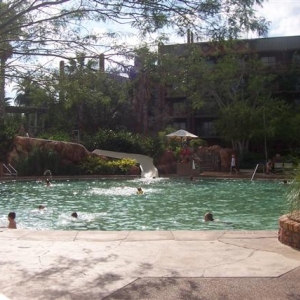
[48, 172]
[254, 172]
[9, 170]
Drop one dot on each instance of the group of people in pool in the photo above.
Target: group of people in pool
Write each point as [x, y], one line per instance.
[12, 215]
[12, 224]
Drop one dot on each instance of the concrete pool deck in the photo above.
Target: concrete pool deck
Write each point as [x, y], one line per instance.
[147, 265]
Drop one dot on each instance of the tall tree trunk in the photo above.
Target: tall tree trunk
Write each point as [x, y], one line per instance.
[242, 147]
[2, 88]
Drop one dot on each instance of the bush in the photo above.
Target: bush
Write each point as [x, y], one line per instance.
[8, 131]
[98, 166]
[196, 143]
[294, 197]
[55, 136]
[123, 141]
[38, 162]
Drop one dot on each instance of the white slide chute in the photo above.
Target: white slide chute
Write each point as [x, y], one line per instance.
[148, 170]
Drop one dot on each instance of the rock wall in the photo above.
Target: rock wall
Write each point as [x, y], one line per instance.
[71, 153]
[167, 163]
[289, 232]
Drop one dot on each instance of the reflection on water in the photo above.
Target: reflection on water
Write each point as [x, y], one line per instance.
[107, 204]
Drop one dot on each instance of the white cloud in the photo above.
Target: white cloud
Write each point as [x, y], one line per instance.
[283, 15]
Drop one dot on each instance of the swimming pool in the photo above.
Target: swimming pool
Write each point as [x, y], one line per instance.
[167, 204]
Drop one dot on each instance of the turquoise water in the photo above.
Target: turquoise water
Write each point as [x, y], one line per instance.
[167, 204]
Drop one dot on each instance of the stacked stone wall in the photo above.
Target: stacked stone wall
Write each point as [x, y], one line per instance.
[289, 232]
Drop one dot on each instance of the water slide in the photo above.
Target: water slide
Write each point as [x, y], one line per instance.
[146, 163]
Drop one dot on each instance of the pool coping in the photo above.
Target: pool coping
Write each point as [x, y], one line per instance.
[243, 174]
[69, 262]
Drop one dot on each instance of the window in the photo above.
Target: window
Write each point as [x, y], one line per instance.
[179, 125]
[179, 109]
[268, 60]
[206, 129]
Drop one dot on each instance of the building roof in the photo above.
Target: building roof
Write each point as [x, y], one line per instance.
[290, 43]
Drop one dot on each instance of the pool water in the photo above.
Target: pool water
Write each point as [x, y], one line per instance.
[167, 204]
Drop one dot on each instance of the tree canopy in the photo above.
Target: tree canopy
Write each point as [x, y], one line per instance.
[233, 86]
[60, 28]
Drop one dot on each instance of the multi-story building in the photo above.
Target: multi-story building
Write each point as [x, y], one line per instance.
[275, 52]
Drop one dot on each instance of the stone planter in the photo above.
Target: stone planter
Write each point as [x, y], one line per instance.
[289, 231]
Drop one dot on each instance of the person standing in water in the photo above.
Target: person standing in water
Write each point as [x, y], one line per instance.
[48, 183]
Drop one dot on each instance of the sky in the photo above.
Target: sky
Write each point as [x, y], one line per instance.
[283, 15]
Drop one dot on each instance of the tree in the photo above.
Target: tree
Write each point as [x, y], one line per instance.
[60, 28]
[235, 87]
[91, 98]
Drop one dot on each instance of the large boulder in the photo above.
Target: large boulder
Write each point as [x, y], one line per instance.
[167, 163]
[225, 158]
[168, 157]
[70, 153]
[222, 154]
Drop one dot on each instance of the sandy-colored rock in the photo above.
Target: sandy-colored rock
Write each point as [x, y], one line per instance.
[168, 157]
[69, 152]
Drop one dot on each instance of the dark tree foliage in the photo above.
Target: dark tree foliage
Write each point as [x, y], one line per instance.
[60, 28]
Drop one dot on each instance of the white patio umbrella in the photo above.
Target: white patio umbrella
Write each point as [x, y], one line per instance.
[182, 134]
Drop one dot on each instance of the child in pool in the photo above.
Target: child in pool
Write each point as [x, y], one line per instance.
[11, 220]
[74, 215]
[140, 191]
[208, 217]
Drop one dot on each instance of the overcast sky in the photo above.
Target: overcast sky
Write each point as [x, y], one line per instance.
[284, 16]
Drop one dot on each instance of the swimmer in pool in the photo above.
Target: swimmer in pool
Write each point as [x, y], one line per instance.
[74, 215]
[140, 191]
[48, 182]
[208, 217]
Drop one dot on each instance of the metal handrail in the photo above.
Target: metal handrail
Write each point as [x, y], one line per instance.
[15, 173]
[254, 172]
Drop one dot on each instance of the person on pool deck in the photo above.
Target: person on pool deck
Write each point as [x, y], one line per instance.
[208, 217]
[233, 164]
[74, 215]
[140, 191]
[269, 167]
[11, 220]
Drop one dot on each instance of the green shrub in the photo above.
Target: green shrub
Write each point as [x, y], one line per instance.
[294, 197]
[94, 165]
[196, 143]
[38, 161]
[123, 141]
[55, 136]
[8, 131]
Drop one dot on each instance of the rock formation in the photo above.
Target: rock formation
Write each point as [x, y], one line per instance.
[70, 153]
